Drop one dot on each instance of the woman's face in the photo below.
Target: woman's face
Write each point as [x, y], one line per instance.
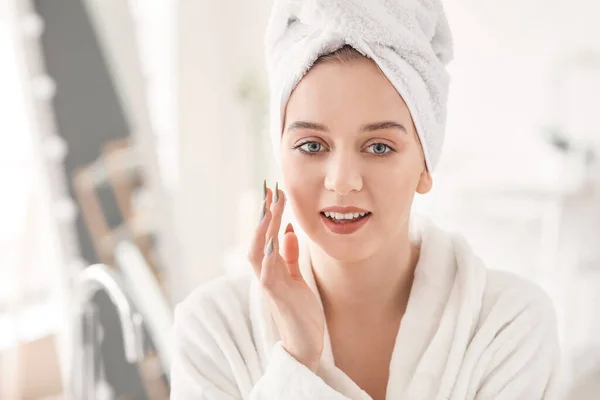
[349, 141]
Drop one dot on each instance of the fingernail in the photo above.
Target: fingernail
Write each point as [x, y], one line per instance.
[276, 197]
[263, 210]
[269, 247]
[289, 228]
[264, 190]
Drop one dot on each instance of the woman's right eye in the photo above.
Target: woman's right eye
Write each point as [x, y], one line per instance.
[310, 147]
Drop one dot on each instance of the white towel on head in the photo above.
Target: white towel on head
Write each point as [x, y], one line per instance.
[409, 40]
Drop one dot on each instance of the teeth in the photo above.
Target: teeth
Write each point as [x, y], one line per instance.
[339, 216]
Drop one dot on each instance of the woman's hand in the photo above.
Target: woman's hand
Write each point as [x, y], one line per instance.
[292, 303]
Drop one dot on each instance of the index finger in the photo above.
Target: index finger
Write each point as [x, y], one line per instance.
[256, 252]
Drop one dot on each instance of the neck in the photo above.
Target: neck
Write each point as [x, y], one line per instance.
[381, 282]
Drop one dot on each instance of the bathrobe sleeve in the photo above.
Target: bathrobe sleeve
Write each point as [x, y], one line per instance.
[208, 365]
[523, 361]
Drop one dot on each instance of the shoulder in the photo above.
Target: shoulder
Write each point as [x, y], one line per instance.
[509, 292]
[214, 355]
[221, 302]
[500, 292]
[517, 313]
[517, 339]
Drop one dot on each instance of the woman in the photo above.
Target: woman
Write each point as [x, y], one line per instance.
[367, 301]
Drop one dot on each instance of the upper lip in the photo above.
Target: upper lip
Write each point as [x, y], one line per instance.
[344, 210]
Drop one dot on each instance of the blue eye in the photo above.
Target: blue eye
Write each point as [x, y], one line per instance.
[380, 149]
[310, 148]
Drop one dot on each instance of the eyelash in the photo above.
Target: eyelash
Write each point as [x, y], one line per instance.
[314, 153]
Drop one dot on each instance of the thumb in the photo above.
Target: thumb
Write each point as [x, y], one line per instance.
[290, 251]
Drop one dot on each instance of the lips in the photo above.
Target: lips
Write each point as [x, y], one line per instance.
[345, 226]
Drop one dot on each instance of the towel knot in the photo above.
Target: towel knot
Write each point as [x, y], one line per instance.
[384, 23]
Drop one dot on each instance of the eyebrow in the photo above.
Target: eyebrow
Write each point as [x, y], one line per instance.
[365, 128]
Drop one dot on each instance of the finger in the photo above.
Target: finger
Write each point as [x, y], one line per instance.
[277, 211]
[270, 273]
[257, 246]
[273, 270]
[290, 251]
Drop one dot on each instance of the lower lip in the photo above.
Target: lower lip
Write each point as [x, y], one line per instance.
[344, 228]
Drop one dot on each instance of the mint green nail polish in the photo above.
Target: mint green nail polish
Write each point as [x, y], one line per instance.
[263, 210]
[269, 247]
[276, 197]
[264, 190]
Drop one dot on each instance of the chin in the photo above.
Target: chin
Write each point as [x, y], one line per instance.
[347, 251]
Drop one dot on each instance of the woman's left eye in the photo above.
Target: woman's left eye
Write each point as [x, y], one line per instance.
[380, 149]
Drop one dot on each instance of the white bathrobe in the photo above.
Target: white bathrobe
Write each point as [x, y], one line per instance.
[468, 333]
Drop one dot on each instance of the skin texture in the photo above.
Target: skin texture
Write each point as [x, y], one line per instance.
[363, 151]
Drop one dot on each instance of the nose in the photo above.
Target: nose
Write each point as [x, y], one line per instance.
[343, 175]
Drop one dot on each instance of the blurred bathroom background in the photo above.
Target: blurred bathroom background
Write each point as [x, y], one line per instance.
[133, 148]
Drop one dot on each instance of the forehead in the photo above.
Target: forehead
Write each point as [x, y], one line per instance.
[355, 92]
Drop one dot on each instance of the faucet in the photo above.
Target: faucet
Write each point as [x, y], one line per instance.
[92, 279]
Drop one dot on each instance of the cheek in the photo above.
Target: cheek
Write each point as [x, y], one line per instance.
[392, 188]
[301, 184]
